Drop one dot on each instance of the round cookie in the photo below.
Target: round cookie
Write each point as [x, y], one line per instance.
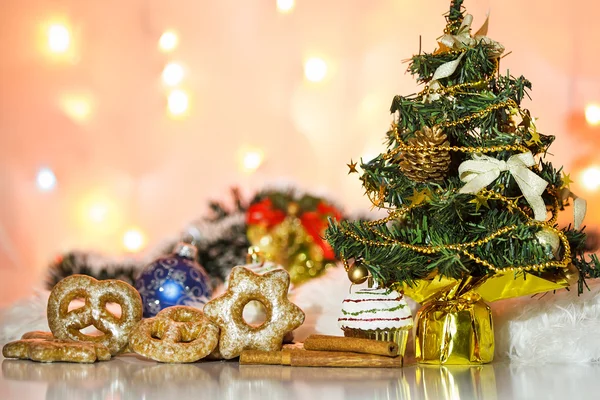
[177, 334]
[271, 289]
[67, 325]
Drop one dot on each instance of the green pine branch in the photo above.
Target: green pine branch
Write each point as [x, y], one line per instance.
[455, 16]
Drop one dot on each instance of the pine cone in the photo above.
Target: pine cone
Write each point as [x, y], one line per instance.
[426, 165]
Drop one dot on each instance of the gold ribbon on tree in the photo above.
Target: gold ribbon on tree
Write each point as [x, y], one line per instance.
[483, 170]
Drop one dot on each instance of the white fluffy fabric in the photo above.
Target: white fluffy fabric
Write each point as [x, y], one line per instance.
[559, 327]
[24, 316]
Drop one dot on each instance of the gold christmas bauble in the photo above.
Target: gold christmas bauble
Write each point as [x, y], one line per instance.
[358, 274]
[548, 238]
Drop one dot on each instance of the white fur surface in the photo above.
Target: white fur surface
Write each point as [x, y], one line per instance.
[556, 327]
[559, 327]
[23, 316]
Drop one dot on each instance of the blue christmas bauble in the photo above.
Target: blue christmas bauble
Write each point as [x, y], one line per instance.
[173, 280]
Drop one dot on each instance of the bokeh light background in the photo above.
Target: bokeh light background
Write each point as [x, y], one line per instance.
[262, 92]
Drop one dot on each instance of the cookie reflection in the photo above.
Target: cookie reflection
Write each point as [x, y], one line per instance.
[73, 381]
[175, 381]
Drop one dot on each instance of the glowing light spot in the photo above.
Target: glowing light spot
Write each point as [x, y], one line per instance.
[590, 178]
[172, 290]
[77, 107]
[251, 160]
[315, 69]
[285, 6]
[173, 73]
[59, 38]
[133, 240]
[592, 114]
[168, 41]
[98, 212]
[178, 102]
[46, 180]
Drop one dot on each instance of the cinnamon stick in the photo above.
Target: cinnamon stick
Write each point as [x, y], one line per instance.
[355, 345]
[261, 357]
[308, 358]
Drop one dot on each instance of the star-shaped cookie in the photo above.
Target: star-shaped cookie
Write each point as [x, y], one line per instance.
[271, 289]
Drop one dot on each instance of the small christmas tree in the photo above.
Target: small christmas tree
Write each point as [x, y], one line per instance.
[468, 202]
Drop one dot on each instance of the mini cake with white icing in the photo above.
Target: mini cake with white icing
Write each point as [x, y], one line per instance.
[375, 313]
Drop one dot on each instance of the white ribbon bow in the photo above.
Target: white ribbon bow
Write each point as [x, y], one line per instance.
[459, 41]
[464, 39]
[579, 206]
[579, 210]
[483, 170]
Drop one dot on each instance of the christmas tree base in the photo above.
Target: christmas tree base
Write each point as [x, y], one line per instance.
[455, 332]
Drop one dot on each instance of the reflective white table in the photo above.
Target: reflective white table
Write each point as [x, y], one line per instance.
[131, 377]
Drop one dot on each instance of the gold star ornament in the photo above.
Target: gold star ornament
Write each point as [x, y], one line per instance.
[420, 197]
[352, 167]
[566, 181]
[480, 201]
[270, 289]
[535, 136]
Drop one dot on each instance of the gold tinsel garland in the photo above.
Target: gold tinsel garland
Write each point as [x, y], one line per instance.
[462, 247]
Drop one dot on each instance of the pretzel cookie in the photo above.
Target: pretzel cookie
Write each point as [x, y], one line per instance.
[38, 335]
[41, 346]
[66, 325]
[271, 289]
[178, 334]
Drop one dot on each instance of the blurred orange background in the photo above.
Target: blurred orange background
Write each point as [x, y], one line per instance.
[144, 110]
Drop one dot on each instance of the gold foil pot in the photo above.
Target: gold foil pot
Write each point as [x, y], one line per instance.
[491, 287]
[456, 331]
[290, 246]
[455, 326]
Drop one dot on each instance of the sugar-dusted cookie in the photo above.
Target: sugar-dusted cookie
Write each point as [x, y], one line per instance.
[67, 325]
[177, 334]
[52, 350]
[38, 335]
[271, 289]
